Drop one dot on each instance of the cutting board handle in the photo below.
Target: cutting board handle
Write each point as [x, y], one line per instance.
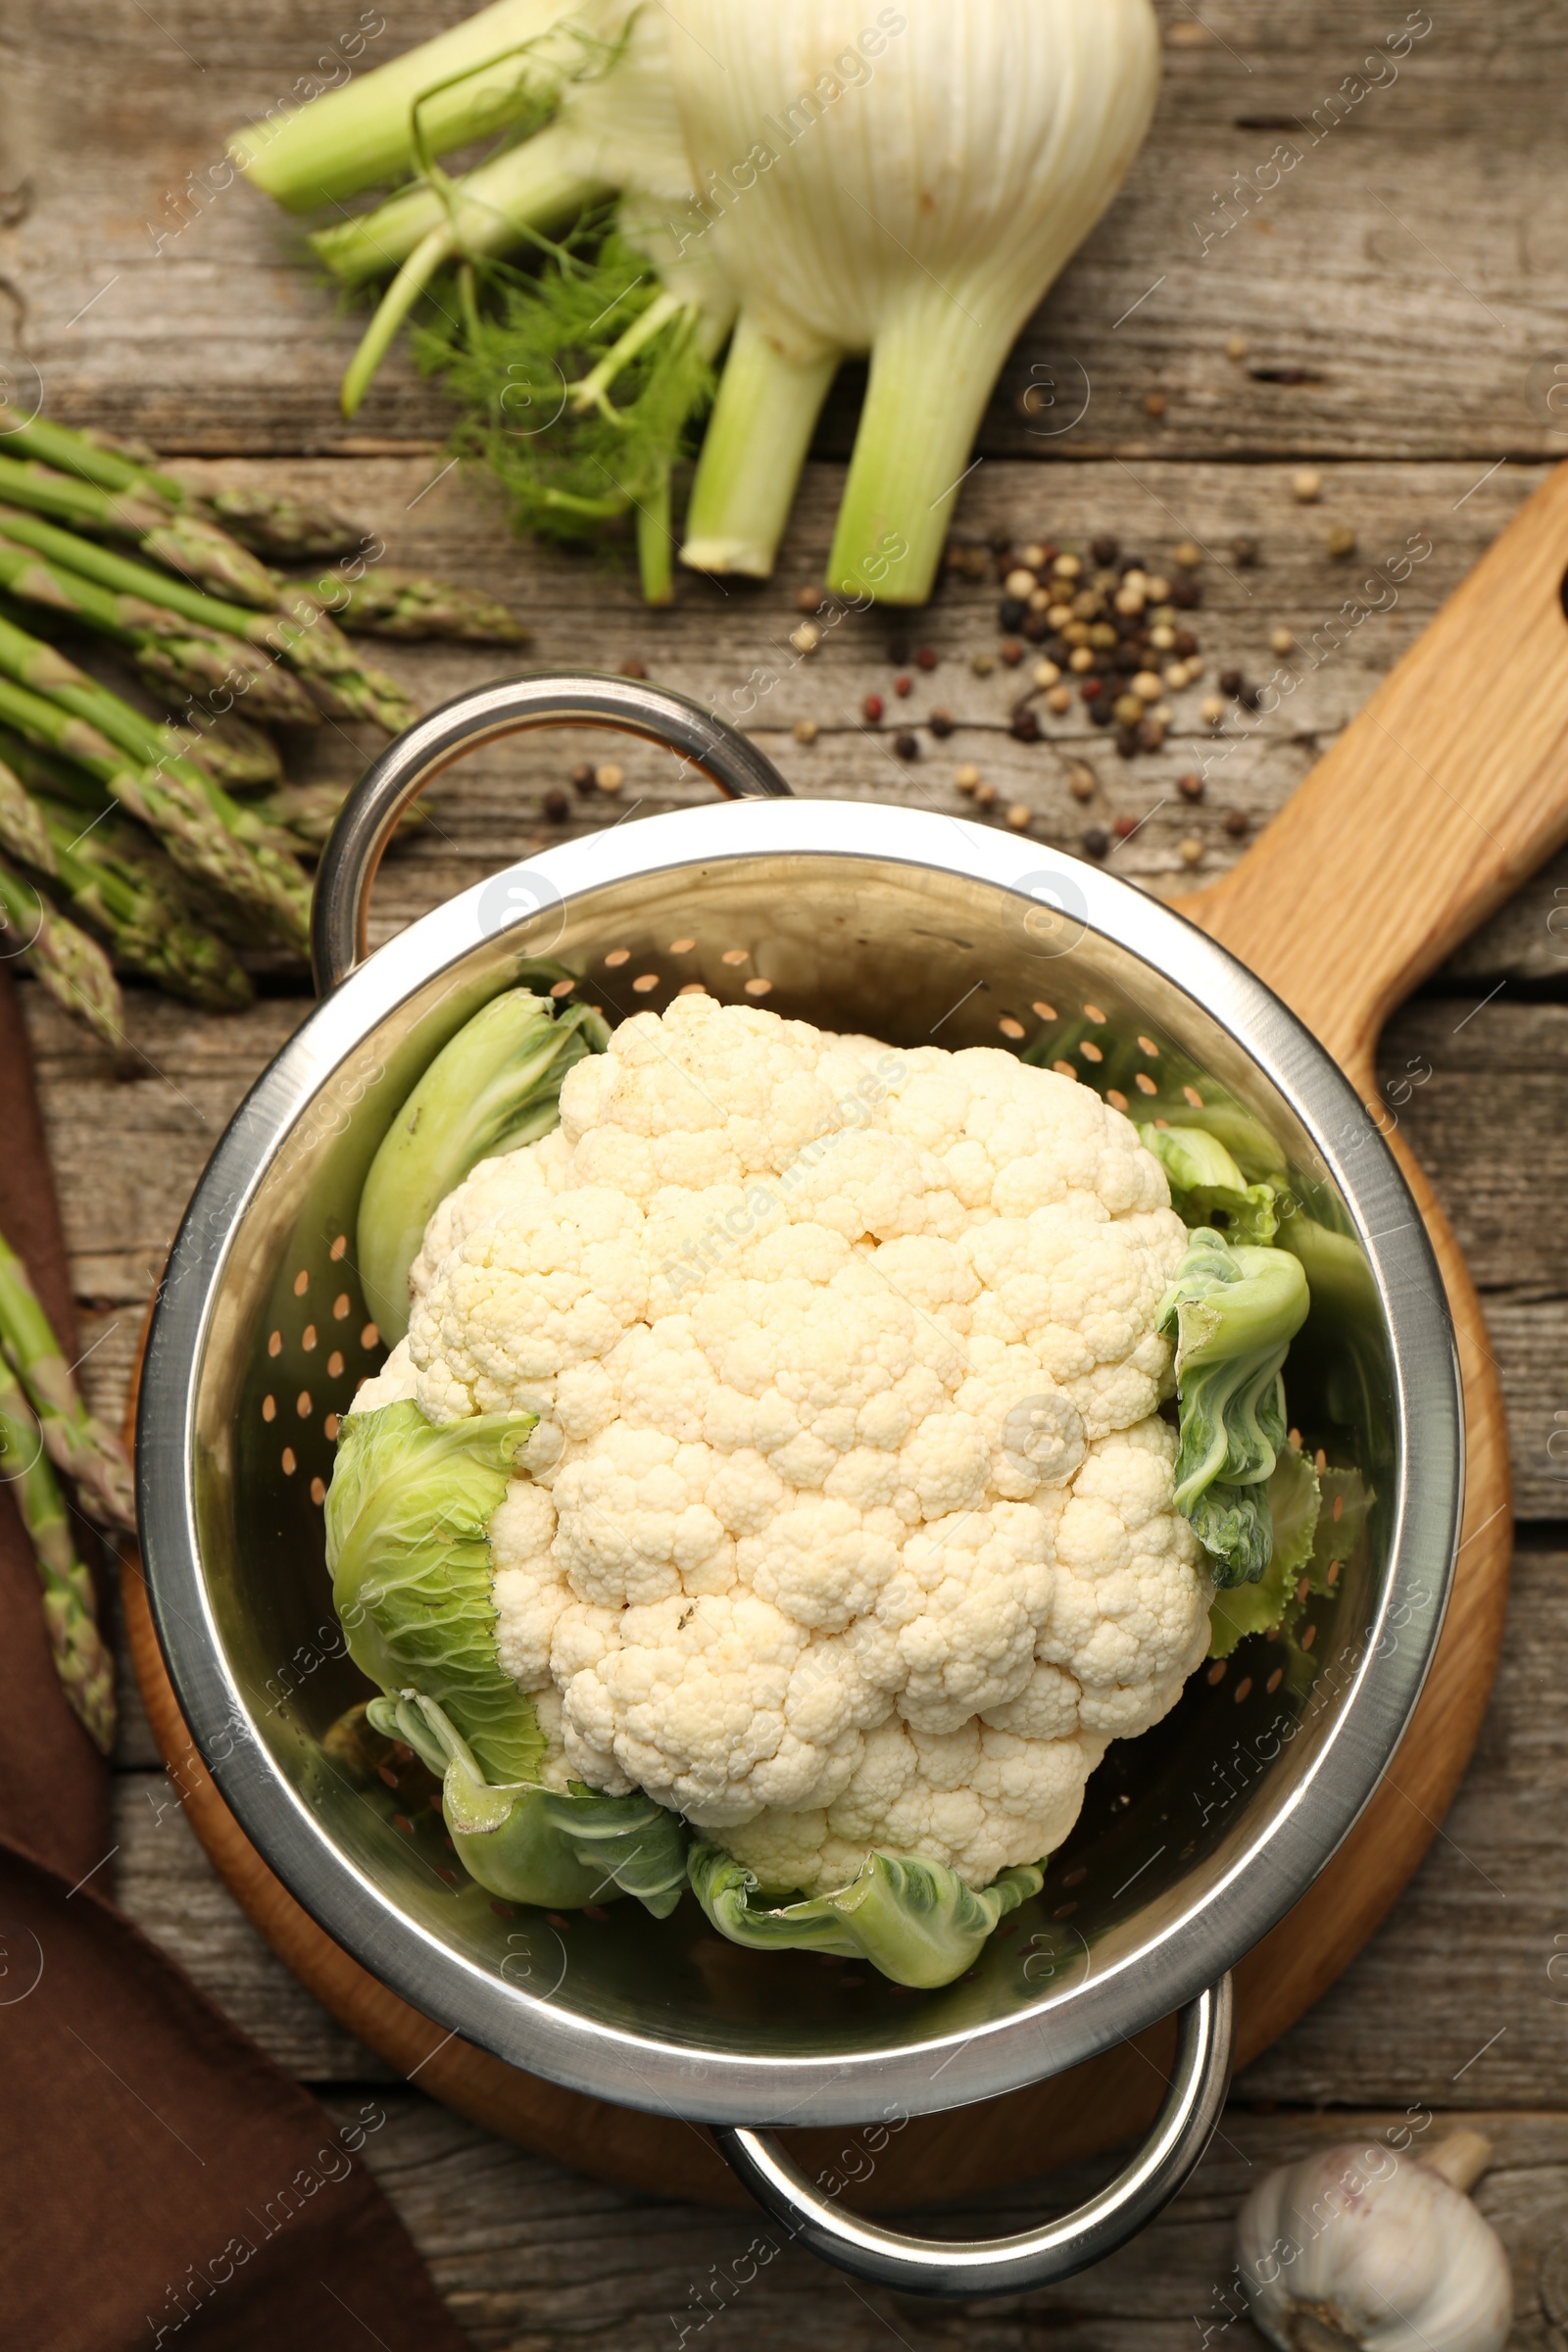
[1429, 810]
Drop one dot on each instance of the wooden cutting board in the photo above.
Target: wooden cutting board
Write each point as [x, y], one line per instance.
[1430, 811]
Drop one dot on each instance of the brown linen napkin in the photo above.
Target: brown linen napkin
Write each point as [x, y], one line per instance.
[164, 2182]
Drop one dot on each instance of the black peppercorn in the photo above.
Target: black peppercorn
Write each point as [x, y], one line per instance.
[1013, 613]
[1096, 840]
[557, 807]
[1246, 553]
[941, 724]
[1185, 594]
[583, 778]
[1231, 681]
[1101, 715]
[1037, 629]
[1127, 741]
[1024, 725]
[907, 746]
[1105, 549]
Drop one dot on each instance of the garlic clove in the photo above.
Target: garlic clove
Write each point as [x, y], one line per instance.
[1357, 2245]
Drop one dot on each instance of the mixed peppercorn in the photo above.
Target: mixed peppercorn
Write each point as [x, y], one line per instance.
[1104, 631]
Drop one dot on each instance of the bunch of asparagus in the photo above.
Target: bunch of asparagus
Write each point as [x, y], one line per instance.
[129, 822]
[45, 1427]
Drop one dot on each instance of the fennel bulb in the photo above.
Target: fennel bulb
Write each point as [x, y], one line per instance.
[930, 178]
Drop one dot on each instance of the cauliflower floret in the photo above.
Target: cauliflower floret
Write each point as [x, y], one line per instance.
[848, 1518]
[397, 1383]
[975, 1798]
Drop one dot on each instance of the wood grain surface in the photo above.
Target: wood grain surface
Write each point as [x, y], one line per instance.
[1381, 838]
[1400, 294]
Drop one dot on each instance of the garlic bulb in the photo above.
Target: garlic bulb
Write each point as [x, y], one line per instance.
[1364, 2247]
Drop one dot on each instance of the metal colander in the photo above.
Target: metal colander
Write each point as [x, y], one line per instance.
[1194, 1839]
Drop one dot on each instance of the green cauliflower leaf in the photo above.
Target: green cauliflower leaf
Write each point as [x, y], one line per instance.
[493, 1088]
[1233, 1310]
[408, 1518]
[1207, 1187]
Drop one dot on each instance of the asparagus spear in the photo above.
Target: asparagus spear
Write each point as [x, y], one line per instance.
[229, 751]
[404, 604]
[124, 886]
[309, 812]
[23, 831]
[309, 643]
[75, 1441]
[167, 648]
[267, 522]
[199, 826]
[47, 670]
[233, 753]
[73, 967]
[44, 771]
[289, 530]
[185, 541]
[94, 457]
[70, 1605]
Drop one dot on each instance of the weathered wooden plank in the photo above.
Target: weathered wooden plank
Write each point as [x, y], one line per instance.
[1479, 1083]
[530, 2256]
[1457, 2000]
[1416, 228]
[165, 1881]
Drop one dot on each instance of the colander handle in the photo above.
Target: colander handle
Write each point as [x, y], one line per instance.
[1012, 2266]
[368, 817]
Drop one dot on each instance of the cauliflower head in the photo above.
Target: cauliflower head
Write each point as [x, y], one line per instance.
[849, 1520]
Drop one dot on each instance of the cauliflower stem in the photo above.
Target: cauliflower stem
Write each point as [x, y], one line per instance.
[535, 1843]
[914, 1921]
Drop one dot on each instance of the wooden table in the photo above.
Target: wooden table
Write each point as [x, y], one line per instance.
[1401, 297]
